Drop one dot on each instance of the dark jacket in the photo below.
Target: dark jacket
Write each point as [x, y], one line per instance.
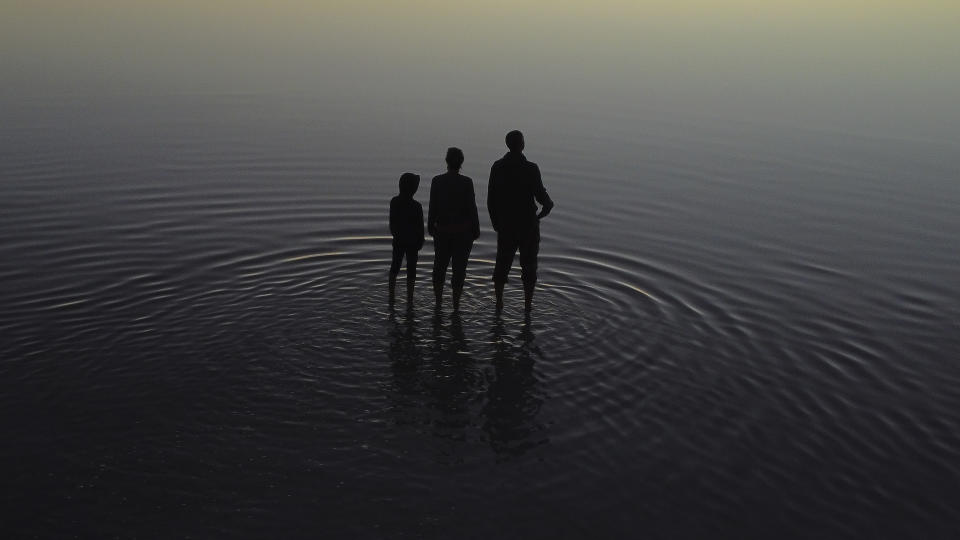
[406, 216]
[453, 207]
[515, 184]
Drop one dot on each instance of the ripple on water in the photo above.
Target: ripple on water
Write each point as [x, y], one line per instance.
[231, 320]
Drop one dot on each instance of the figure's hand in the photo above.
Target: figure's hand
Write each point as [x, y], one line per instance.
[544, 211]
[476, 234]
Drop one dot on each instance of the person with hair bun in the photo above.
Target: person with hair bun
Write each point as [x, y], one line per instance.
[453, 223]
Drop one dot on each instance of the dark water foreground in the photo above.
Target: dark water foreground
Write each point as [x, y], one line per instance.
[742, 331]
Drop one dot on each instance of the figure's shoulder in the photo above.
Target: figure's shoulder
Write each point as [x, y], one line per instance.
[394, 200]
[417, 205]
[497, 171]
[532, 170]
[466, 179]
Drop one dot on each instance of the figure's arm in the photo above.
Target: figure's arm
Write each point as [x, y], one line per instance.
[394, 218]
[492, 199]
[432, 208]
[420, 216]
[474, 215]
[540, 194]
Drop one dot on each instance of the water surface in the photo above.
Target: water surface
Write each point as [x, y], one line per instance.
[746, 323]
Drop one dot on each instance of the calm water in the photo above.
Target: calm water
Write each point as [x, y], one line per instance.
[742, 329]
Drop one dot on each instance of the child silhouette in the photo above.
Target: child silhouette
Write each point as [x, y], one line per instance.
[406, 226]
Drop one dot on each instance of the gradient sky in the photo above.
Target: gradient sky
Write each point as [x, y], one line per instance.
[879, 55]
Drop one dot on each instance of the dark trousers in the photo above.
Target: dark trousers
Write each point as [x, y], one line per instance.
[527, 241]
[457, 248]
[399, 250]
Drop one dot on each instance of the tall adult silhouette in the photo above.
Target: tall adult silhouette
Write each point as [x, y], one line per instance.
[515, 188]
[453, 223]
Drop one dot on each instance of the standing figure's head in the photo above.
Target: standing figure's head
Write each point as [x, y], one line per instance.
[515, 141]
[454, 158]
[409, 183]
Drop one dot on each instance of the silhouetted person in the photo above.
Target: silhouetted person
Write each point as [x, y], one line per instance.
[406, 226]
[453, 222]
[515, 188]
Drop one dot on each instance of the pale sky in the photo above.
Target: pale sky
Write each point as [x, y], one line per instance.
[891, 54]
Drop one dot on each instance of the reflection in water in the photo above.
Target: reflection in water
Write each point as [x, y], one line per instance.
[434, 382]
[442, 391]
[510, 413]
[451, 384]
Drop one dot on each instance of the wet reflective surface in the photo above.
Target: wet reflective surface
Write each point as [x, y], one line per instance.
[742, 329]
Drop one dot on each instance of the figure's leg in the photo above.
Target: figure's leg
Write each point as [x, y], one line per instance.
[498, 294]
[412, 257]
[394, 270]
[506, 248]
[441, 251]
[461, 254]
[529, 248]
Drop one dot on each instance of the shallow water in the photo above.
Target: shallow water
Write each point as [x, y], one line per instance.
[742, 329]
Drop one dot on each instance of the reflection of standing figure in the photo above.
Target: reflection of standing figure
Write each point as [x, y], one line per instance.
[515, 184]
[451, 383]
[513, 400]
[453, 222]
[403, 350]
